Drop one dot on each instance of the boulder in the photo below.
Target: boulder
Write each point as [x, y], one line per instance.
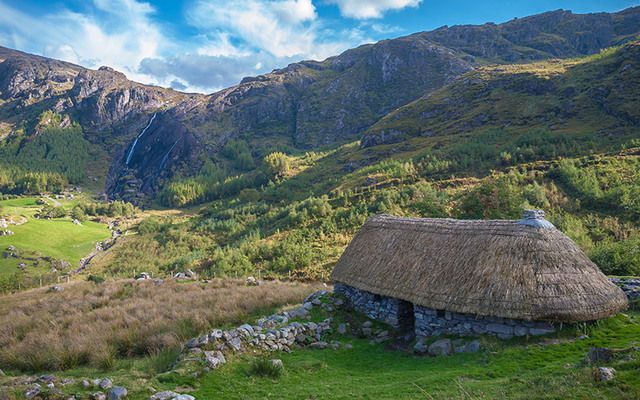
[441, 347]
[214, 359]
[246, 327]
[252, 281]
[235, 344]
[318, 345]
[98, 396]
[105, 384]
[342, 329]
[276, 362]
[184, 397]
[117, 393]
[166, 395]
[47, 378]
[604, 374]
[599, 355]
[420, 347]
[472, 347]
[32, 392]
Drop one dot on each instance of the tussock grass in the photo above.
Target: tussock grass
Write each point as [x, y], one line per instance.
[266, 368]
[96, 325]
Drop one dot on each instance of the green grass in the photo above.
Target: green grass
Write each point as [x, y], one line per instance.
[552, 367]
[512, 370]
[57, 238]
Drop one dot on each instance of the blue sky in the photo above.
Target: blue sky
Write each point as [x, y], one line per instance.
[206, 45]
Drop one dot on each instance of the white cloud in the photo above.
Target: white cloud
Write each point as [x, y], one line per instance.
[232, 39]
[121, 36]
[364, 9]
[280, 27]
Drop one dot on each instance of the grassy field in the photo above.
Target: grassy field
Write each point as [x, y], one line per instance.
[504, 370]
[56, 238]
[135, 330]
[98, 325]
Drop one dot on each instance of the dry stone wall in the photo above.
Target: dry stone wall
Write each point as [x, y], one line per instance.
[429, 322]
[381, 308]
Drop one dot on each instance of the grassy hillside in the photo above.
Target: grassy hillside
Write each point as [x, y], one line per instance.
[587, 99]
[496, 141]
[43, 245]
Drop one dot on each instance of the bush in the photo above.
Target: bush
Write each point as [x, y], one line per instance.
[95, 279]
[266, 368]
[49, 211]
[238, 151]
[278, 164]
[78, 213]
[150, 225]
[618, 258]
[495, 199]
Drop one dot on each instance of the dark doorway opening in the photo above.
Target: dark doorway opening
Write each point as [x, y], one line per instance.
[406, 317]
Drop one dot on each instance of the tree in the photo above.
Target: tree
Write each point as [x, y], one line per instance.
[78, 213]
[278, 164]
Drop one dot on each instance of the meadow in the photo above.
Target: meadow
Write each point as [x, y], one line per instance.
[40, 241]
[550, 368]
[133, 333]
[96, 325]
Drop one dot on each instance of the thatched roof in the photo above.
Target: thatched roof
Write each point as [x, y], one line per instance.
[523, 269]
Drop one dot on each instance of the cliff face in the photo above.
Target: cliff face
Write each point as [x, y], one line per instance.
[304, 105]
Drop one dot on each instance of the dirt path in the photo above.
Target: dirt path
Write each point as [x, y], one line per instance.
[100, 246]
[55, 202]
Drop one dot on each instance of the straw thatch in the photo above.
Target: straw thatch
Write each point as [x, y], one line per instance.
[491, 267]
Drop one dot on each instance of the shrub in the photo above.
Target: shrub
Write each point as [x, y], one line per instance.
[78, 213]
[618, 257]
[238, 151]
[266, 368]
[494, 199]
[95, 279]
[150, 225]
[278, 164]
[49, 211]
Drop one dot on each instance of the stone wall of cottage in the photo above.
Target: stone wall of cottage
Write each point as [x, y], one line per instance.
[429, 322]
[381, 308]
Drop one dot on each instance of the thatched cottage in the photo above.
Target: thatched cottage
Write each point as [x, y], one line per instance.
[446, 276]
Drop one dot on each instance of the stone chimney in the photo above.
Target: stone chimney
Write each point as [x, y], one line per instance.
[535, 218]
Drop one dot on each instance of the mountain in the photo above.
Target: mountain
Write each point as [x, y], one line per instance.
[595, 94]
[144, 135]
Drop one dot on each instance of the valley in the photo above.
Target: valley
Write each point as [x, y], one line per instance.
[135, 219]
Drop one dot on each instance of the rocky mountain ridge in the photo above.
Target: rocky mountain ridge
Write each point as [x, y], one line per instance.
[303, 106]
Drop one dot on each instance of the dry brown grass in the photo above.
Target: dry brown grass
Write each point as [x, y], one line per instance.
[90, 324]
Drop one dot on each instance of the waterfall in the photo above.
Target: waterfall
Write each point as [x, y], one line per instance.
[164, 159]
[135, 142]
